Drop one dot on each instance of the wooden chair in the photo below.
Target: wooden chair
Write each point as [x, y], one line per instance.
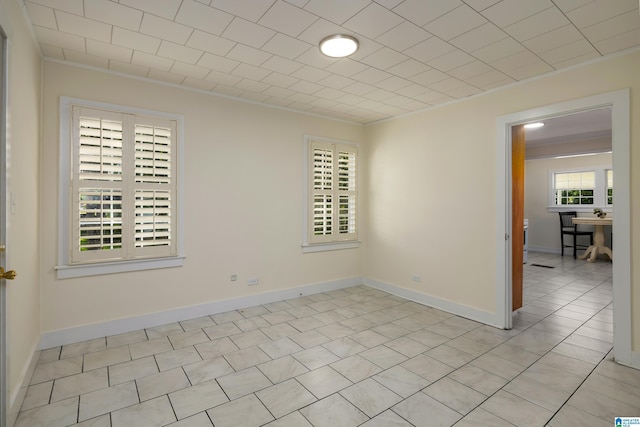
[567, 228]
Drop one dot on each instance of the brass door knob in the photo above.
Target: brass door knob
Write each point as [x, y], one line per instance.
[9, 275]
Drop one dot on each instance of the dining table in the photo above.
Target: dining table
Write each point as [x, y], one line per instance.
[598, 246]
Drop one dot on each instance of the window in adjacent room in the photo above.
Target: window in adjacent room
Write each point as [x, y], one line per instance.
[120, 189]
[332, 194]
[581, 190]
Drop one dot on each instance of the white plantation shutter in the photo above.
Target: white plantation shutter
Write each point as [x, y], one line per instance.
[332, 192]
[123, 186]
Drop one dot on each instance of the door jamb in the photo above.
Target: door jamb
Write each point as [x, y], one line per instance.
[619, 103]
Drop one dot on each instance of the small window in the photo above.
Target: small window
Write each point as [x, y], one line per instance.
[574, 188]
[332, 192]
[609, 187]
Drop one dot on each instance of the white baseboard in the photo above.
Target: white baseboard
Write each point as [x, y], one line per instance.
[451, 307]
[130, 324]
[17, 396]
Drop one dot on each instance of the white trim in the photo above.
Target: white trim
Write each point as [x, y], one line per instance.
[334, 246]
[119, 326]
[64, 269]
[618, 101]
[17, 398]
[82, 270]
[481, 316]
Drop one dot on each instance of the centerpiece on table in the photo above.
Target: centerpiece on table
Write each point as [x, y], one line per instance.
[599, 213]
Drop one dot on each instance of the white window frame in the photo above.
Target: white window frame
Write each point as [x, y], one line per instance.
[308, 245]
[66, 268]
[607, 188]
[599, 192]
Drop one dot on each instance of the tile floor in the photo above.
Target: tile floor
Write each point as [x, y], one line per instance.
[354, 357]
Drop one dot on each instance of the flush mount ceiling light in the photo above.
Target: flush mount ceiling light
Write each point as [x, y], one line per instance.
[533, 125]
[338, 45]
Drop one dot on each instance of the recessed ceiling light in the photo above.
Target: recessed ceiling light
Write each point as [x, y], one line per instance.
[533, 125]
[339, 45]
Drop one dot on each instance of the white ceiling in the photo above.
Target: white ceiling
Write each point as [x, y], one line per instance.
[581, 126]
[413, 54]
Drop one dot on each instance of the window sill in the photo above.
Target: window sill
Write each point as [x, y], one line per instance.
[95, 269]
[333, 246]
[578, 208]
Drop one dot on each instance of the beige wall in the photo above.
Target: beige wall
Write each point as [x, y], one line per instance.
[23, 294]
[544, 226]
[243, 206]
[432, 184]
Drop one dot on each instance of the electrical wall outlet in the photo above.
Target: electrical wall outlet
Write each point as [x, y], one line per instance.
[234, 277]
[252, 281]
[416, 278]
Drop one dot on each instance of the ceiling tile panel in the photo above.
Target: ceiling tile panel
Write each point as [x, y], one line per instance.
[393, 83]
[41, 15]
[218, 63]
[287, 19]
[329, 93]
[336, 82]
[553, 39]
[285, 46]
[281, 65]
[508, 12]
[379, 95]
[135, 40]
[359, 88]
[412, 90]
[429, 49]
[568, 51]
[464, 91]
[600, 10]
[451, 60]
[530, 70]
[179, 52]
[202, 17]
[456, 22]
[569, 5]
[246, 32]
[336, 11]
[166, 9]
[87, 59]
[576, 60]
[83, 27]
[305, 87]
[52, 51]
[319, 30]
[488, 78]
[403, 36]
[314, 58]
[248, 54]
[346, 67]
[210, 43]
[113, 13]
[165, 29]
[228, 90]
[515, 61]
[538, 24]
[619, 42]
[251, 85]
[151, 61]
[408, 68]
[498, 50]
[72, 6]
[278, 92]
[398, 100]
[481, 5]
[251, 11]
[371, 76]
[384, 58]
[366, 48]
[189, 70]
[59, 39]
[222, 78]
[98, 48]
[280, 80]
[446, 85]
[612, 27]
[126, 68]
[373, 21]
[310, 74]
[421, 12]
[479, 37]
[427, 78]
[470, 70]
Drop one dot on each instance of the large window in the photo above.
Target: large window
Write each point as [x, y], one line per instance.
[581, 190]
[332, 193]
[122, 199]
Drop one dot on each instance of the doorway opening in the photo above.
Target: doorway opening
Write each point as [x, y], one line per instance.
[618, 102]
